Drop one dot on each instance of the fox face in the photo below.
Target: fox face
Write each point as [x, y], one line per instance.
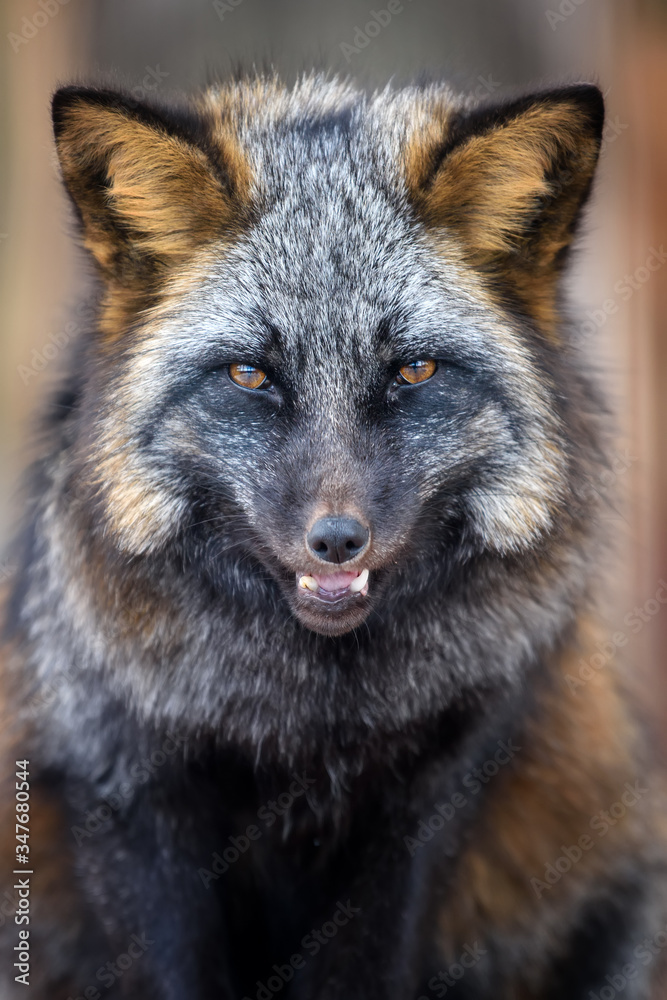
[324, 320]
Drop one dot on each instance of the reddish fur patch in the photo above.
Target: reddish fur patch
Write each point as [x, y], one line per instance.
[576, 757]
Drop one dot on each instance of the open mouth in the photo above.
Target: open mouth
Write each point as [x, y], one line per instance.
[332, 588]
[331, 602]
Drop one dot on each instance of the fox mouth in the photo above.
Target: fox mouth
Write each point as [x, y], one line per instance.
[331, 588]
[332, 603]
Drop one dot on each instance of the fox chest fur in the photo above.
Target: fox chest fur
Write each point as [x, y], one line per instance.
[309, 556]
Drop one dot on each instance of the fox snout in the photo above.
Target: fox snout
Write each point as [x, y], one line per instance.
[337, 539]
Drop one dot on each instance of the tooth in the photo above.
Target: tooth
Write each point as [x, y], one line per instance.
[359, 582]
[309, 583]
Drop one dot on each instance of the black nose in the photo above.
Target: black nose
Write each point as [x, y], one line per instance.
[337, 539]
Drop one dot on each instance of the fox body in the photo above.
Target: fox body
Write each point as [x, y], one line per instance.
[310, 558]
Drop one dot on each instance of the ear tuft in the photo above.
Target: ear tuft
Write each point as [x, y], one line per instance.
[509, 181]
[143, 189]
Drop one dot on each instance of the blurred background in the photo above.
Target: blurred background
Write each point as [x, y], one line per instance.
[489, 47]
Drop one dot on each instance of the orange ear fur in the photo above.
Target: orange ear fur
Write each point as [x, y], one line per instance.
[509, 183]
[141, 187]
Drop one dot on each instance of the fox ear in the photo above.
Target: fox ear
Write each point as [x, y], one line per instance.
[143, 189]
[510, 181]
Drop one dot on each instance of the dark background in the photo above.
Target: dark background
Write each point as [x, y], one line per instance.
[487, 46]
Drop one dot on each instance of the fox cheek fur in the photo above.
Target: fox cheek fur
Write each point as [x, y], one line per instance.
[311, 554]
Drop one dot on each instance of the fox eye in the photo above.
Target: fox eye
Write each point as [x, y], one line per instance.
[416, 371]
[248, 377]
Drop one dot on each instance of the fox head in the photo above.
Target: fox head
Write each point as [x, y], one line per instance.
[329, 351]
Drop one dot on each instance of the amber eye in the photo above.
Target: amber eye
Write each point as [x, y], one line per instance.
[416, 371]
[248, 376]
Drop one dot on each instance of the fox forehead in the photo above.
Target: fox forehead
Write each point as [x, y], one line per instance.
[334, 243]
[331, 244]
[354, 295]
[333, 260]
[333, 276]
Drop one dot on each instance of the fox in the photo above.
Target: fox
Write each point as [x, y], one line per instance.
[311, 557]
